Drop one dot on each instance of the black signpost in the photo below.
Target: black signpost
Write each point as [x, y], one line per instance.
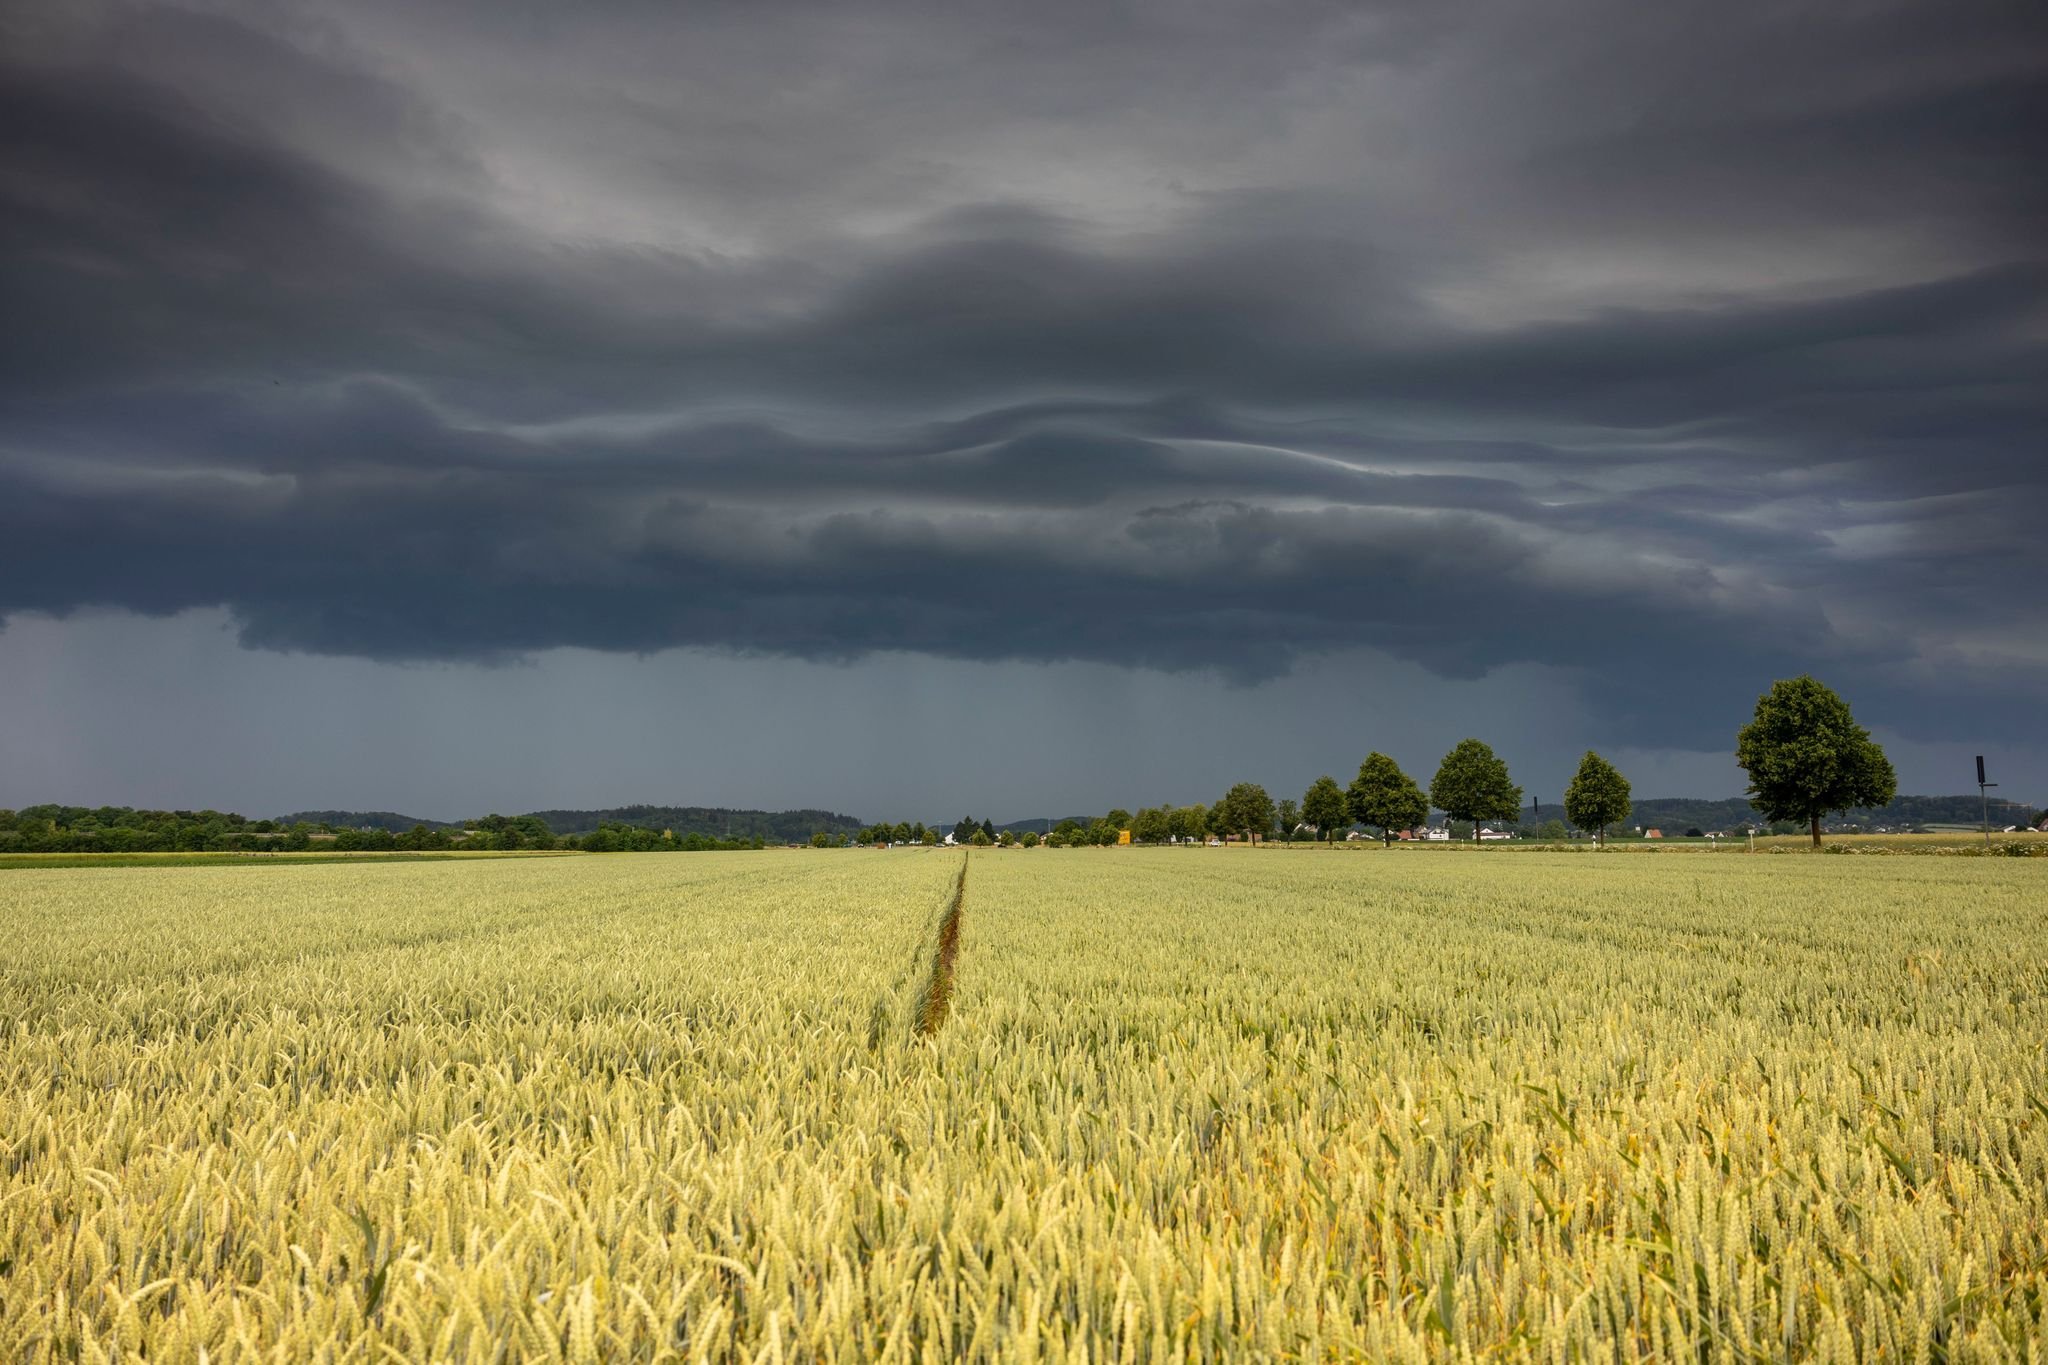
[1983, 790]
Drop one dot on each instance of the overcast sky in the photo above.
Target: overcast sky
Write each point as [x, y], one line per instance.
[1009, 408]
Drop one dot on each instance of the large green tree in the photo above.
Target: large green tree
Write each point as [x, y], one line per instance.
[1323, 805]
[1472, 784]
[1807, 757]
[1247, 809]
[1597, 797]
[1385, 797]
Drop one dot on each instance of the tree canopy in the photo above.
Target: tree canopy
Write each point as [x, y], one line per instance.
[1247, 809]
[1598, 795]
[1188, 823]
[1472, 784]
[1384, 797]
[1324, 806]
[1807, 757]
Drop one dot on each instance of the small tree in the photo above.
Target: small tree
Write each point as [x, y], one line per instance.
[1030, 839]
[1384, 796]
[1288, 816]
[1807, 757]
[1245, 807]
[1472, 784]
[1324, 806]
[981, 839]
[1188, 823]
[1006, 839]
[1597, 797]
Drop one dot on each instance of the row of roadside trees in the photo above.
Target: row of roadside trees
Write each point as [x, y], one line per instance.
[1472, 785]
[1805, 755]
[1804, 752]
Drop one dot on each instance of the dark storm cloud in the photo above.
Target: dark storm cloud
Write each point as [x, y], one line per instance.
[1679, 347]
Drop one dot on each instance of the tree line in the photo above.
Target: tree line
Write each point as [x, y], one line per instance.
[1472, 784]
[124, 829]
[1805, 755]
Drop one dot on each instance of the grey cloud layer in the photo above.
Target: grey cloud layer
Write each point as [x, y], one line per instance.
[1684, 350]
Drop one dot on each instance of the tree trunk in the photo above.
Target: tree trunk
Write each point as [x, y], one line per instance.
[1816, 831]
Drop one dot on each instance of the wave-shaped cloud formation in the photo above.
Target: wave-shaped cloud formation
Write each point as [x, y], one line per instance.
[1672, 346]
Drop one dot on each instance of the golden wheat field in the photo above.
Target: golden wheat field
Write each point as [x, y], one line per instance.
[1178, 1104]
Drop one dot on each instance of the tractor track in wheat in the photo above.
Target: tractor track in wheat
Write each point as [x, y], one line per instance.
[937, 999]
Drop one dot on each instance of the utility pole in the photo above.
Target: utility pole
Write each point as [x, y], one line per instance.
[1983, 790]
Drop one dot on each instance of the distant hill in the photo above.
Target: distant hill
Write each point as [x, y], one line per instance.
[776, 827]
[362, 819]
[786, 826]
[1680, 813]
[1944, 810]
